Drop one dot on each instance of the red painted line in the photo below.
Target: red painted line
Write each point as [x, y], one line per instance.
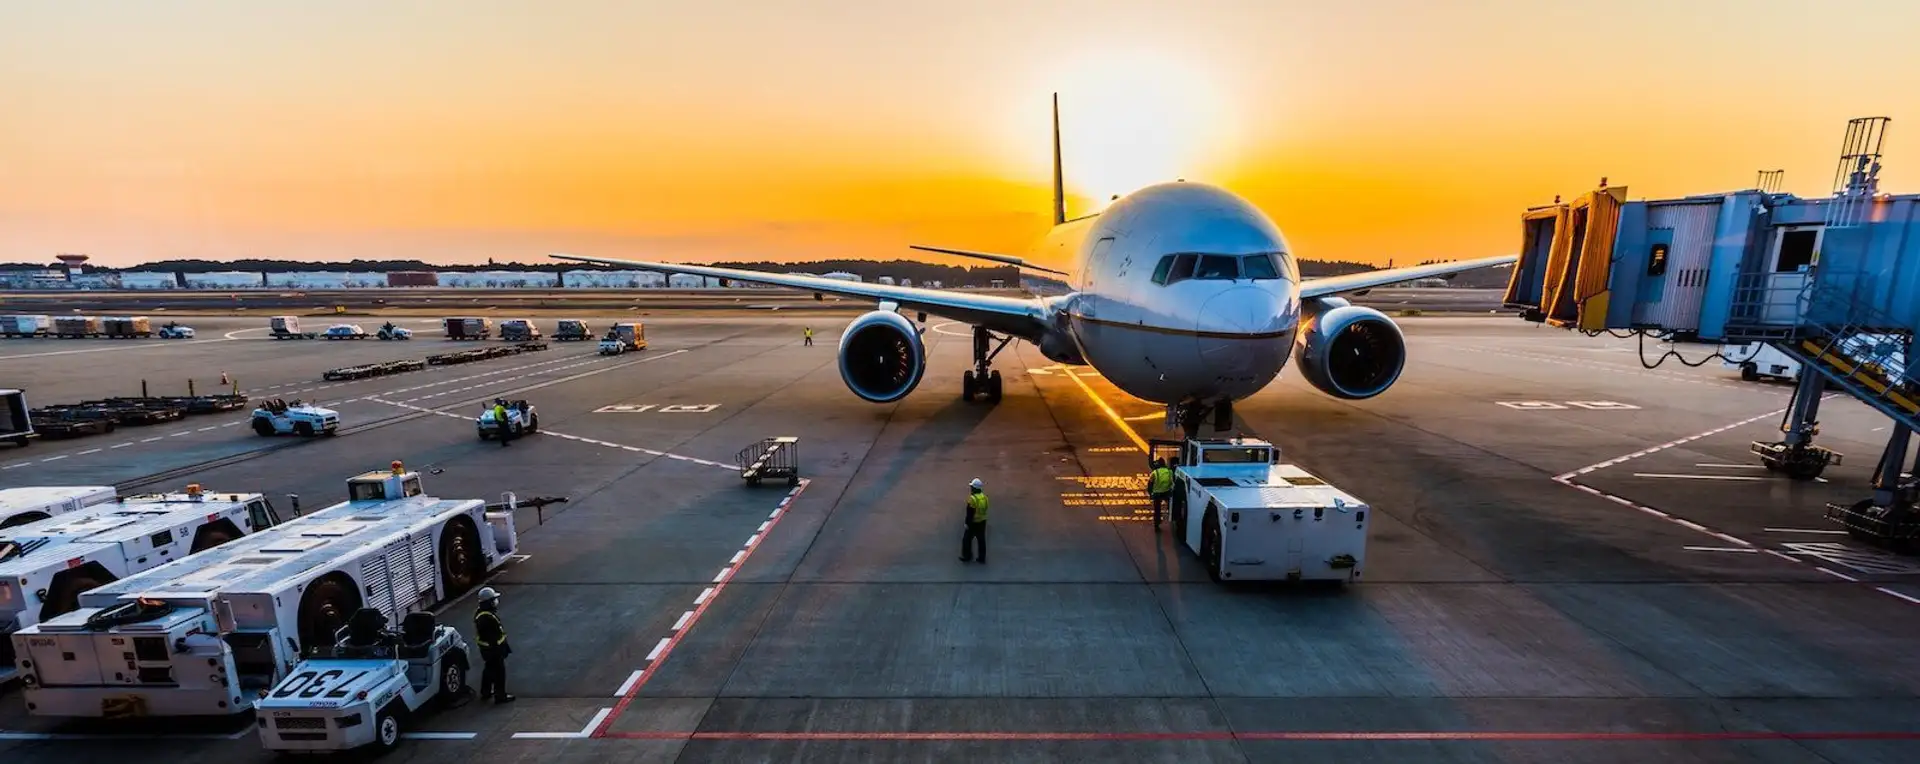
[653, 666]
[1634, 737]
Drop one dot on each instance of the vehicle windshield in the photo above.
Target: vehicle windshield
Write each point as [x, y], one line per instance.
[8, 550]
[1253, 455]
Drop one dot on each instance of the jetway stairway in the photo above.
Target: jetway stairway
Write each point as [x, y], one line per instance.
[1832, 282]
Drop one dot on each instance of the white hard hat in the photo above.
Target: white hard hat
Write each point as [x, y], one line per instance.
[487, 594]
[976, 483]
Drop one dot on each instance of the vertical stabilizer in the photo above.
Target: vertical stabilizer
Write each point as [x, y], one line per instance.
[1059, 182]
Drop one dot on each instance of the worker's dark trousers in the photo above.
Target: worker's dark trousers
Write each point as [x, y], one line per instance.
[976, 535]
[809, 342]
[493, 678]
[1159, 506]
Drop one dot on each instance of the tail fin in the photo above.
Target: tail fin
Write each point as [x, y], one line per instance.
[1059, 182]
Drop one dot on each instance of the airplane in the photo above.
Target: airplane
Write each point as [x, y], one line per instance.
[1182, 294]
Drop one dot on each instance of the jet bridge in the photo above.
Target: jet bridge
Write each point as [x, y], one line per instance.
[1832, 282]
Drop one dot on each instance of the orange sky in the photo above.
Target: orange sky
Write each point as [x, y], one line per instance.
[782, 129]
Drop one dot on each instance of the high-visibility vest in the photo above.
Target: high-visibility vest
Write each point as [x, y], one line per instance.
[1162, 480]
[500, 415]
[482, 641]
[977, 507]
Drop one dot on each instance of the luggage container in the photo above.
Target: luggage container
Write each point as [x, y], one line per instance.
[16, 420]
[127, 327]
[288, 328]
[467, 328]
[24, 326]
[73, 327]
[207, 635]
[45, 566]
[518, 330]
[572, 330]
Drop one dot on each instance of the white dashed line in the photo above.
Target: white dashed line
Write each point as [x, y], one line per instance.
[682, 623]
[1836, 574]
[632, 679]
[740, 554]
[702, 599]
[1885, 590]
[88, 451]
[722, 575]
[654, 654]
[53, 459]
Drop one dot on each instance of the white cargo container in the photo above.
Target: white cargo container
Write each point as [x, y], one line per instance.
[1250, 518]
[25, 326]
[45, 566]
[19, 506]
[207, 635]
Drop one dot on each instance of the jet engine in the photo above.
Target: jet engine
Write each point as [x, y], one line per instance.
[881, 356]
[1348, 351]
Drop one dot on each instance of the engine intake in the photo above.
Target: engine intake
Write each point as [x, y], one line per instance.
[1348, 351]
[881, 357]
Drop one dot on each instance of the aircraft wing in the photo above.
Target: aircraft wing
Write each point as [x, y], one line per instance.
[1354, 282]
[1024, 318]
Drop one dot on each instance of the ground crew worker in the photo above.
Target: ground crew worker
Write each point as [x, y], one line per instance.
[809, 331]
[976, 533]
[494, 649]
[500, 421]
[1160, 487]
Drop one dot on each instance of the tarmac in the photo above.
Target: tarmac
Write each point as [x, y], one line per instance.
[1574, 559]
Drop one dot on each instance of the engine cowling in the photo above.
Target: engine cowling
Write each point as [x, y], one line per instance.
[1348, 351]
[881, 357]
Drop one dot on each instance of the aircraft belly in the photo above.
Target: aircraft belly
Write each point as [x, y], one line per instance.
[1151, 365]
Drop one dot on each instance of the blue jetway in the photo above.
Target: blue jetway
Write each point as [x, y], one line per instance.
[1832, 282]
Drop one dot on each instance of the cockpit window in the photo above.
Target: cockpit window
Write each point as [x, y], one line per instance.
[1258, 267]
[1182, 268]
[1160, 271]
[1217, 268]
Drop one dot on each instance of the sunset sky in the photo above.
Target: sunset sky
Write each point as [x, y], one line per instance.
[773, 129]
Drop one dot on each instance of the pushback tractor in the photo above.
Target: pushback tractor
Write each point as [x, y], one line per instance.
[209, 635]
[1250, 518]
[19, 506]
[46, 566]
[366, 686]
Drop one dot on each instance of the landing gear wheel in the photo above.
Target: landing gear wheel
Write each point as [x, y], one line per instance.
[993, 386]
[263, 427]
[967, 386]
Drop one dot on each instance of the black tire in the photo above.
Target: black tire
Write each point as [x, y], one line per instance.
[22, 441]
[210, 536]
[386, 730]
[303, 429]
[1749, 372]
[1177, 508]
[453, 680]
[993, 386]
[24, 518]
[533, 423]
[462, 561]
[63, 596]
[1210, 545]
[793, 480]
[324, 608]
[967, 386]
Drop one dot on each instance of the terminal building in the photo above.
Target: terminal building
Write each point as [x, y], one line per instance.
[1832, 283]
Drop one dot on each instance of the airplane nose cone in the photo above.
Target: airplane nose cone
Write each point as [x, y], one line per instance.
[1242, 311]
[1245, 333]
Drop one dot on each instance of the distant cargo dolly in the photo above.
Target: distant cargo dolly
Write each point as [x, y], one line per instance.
[1258, 519]
[773, 458]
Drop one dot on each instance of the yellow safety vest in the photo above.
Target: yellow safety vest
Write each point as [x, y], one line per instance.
[809, 332]
[496, 622]
[977, 506]
[500, 415]
[1162, 480]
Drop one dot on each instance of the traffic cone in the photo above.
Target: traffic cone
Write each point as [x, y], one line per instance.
[223, 379]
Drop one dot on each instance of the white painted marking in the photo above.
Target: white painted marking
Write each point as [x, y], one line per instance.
[738, 555]
[1835, 573]
[764, 526]
[439, 735]
[149, 440]
[658, 649]
[751, 540]
[722, 575]
[1531, 405]
[682, 623]
[1805, 530]
[632, 679]
[1685, 523]
[53, 458]
[88, 451]
[1732, 466]
[1862, 560]
[1730, 539]
[14, 466]
[1885, 590]
[1719, 549]
[775, 515]
[120, 445]
[704, 595]
[1603, 405]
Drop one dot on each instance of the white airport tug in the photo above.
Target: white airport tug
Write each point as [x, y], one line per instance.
[1250, 518]
[360, 691]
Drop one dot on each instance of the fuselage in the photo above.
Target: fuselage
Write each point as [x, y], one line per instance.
[1182, 292]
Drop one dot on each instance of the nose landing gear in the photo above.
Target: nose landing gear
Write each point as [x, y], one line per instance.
[1190, 416]
[982, 379]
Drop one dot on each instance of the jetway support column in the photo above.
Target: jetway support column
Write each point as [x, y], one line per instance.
[1796, 455]
[1889, 517]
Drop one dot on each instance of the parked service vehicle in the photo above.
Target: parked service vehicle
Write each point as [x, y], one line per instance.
[212, 634]
[390, 332]
[467, 328]
[30, 504]
[633, 333]
[174, 331]
[45, 566]
[288, 328]
[572, 330]
[345, 332]
[1250, 518]
[16, 420]
[277, 417]
[518, 330]
[363, 689]
[521, 420]
[612, 345]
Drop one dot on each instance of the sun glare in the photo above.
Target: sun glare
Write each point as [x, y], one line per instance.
[1131, 119]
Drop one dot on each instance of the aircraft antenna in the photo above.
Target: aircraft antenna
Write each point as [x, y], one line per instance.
[1059, 180]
